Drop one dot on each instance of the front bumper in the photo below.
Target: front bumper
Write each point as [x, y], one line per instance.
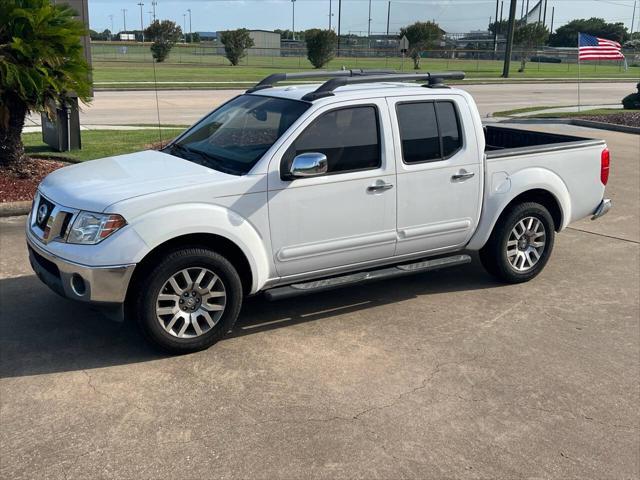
[603, 208]
[107, 284]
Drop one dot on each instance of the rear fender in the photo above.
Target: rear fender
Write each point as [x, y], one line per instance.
[502, 188]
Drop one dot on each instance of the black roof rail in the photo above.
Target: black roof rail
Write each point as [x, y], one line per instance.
[274, 78]
[434, 80]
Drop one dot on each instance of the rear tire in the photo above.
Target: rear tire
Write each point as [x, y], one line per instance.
[520, 244]
[188, 301]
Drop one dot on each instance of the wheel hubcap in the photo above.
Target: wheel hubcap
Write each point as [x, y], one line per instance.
[526, 244]
[191, 302]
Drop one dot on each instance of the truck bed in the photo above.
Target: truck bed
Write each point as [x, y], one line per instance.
[504, 141]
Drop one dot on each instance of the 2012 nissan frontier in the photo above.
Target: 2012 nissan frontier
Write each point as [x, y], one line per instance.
[296, 189]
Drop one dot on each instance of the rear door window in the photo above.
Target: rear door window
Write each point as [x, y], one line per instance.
[449, 128]
[429, 131]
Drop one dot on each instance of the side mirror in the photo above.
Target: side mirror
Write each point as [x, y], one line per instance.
[310, 164]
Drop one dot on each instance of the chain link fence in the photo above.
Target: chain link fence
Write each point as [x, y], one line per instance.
[288, 57]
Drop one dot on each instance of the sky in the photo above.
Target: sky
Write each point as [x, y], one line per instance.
[454, 16]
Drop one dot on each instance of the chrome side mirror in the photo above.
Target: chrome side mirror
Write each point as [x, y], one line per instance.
[310, 164]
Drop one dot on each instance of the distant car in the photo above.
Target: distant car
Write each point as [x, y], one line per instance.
[297, 189]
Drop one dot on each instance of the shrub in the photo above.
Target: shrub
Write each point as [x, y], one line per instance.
[321, 46]
[236, 43]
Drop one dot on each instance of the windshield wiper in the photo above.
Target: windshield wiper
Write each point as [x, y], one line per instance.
[207, 159]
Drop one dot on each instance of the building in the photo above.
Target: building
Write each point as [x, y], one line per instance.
[266, 43]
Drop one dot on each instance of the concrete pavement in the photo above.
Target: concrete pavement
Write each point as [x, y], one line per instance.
[184, 107]
[441, 375]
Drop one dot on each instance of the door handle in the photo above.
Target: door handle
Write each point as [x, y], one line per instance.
[461, 176]
[379, 187]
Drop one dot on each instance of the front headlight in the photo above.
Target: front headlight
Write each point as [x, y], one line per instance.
[91, 228]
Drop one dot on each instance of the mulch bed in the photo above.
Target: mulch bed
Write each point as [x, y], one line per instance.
[629, 119]
[21, 185]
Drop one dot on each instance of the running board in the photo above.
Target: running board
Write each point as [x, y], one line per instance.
[314, 286]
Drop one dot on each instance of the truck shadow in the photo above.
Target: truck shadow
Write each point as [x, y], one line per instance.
[44, 333]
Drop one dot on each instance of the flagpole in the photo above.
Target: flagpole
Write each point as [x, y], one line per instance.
[578, 71]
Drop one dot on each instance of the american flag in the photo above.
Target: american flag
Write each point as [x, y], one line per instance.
[594, 48]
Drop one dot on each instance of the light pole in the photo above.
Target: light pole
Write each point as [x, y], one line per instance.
[153, 4]
[339, 20]
[388, 16]
[369, 22]
[141, 21]
[124, 19]
[150, 16]
[111, 36]
[293, 19]
[190, 33]
[184, 26]
[330, 14]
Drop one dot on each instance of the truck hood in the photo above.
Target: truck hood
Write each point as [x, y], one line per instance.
[96, 184]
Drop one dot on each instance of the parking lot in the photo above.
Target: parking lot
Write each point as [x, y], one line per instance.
[443, 374]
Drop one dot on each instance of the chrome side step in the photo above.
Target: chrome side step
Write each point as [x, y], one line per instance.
[324, 284]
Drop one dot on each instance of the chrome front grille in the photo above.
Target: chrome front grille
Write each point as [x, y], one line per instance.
[50, 222]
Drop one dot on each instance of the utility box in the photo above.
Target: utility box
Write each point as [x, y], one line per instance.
[63, 132]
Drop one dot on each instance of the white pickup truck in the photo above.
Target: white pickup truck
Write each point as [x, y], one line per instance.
[296, 189]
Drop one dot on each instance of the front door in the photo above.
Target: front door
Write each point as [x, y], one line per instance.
[439, 173]
[343, 217]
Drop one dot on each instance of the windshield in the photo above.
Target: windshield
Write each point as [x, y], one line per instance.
[235, 136]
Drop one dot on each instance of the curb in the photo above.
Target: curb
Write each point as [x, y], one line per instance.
[13, 209]
[571, 121]
[605, 126]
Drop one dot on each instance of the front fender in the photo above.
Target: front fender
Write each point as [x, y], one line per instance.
[159, 226]
[502, 188]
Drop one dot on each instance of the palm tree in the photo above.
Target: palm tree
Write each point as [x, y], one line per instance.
[41, 64]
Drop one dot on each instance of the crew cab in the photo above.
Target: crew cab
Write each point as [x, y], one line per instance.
[290, 190]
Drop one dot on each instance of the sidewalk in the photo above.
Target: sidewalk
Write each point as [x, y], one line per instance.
[570, 108]
[38, 128]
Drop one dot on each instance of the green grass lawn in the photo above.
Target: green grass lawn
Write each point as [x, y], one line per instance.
[99, 143]
[188, 65]
[582, 113]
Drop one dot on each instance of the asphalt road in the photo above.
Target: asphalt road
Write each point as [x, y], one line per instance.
[441, 375]
[184, 107]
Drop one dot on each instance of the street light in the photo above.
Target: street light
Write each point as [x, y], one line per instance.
[141, 21]
[124, 19]
[112, 28]
[190, 33]
[153, 4]
[293, 22]
[184, 26]
[369, 22]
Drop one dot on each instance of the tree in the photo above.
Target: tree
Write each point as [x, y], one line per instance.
[528, 37]
[502, 26]
[321, 46]
[41, 64]
[421, 36]
[567, 35]
[192, 37]
[164, 35]
[235, 44]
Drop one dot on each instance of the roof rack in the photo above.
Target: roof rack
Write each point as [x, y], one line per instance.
[434, 80]
[272, 79]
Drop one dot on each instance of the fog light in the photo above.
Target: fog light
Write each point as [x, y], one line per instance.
[78, 285]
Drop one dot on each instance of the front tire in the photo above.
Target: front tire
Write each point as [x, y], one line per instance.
[520, 244]
[188, 301]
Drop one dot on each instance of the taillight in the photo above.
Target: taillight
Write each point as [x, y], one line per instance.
[605, 158]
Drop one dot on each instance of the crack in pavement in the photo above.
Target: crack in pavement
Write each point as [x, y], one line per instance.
[603, 235]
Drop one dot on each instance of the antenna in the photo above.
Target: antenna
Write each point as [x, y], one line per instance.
[155, 87]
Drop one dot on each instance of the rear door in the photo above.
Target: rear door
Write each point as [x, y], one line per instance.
[344, 217]
[439, 173]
